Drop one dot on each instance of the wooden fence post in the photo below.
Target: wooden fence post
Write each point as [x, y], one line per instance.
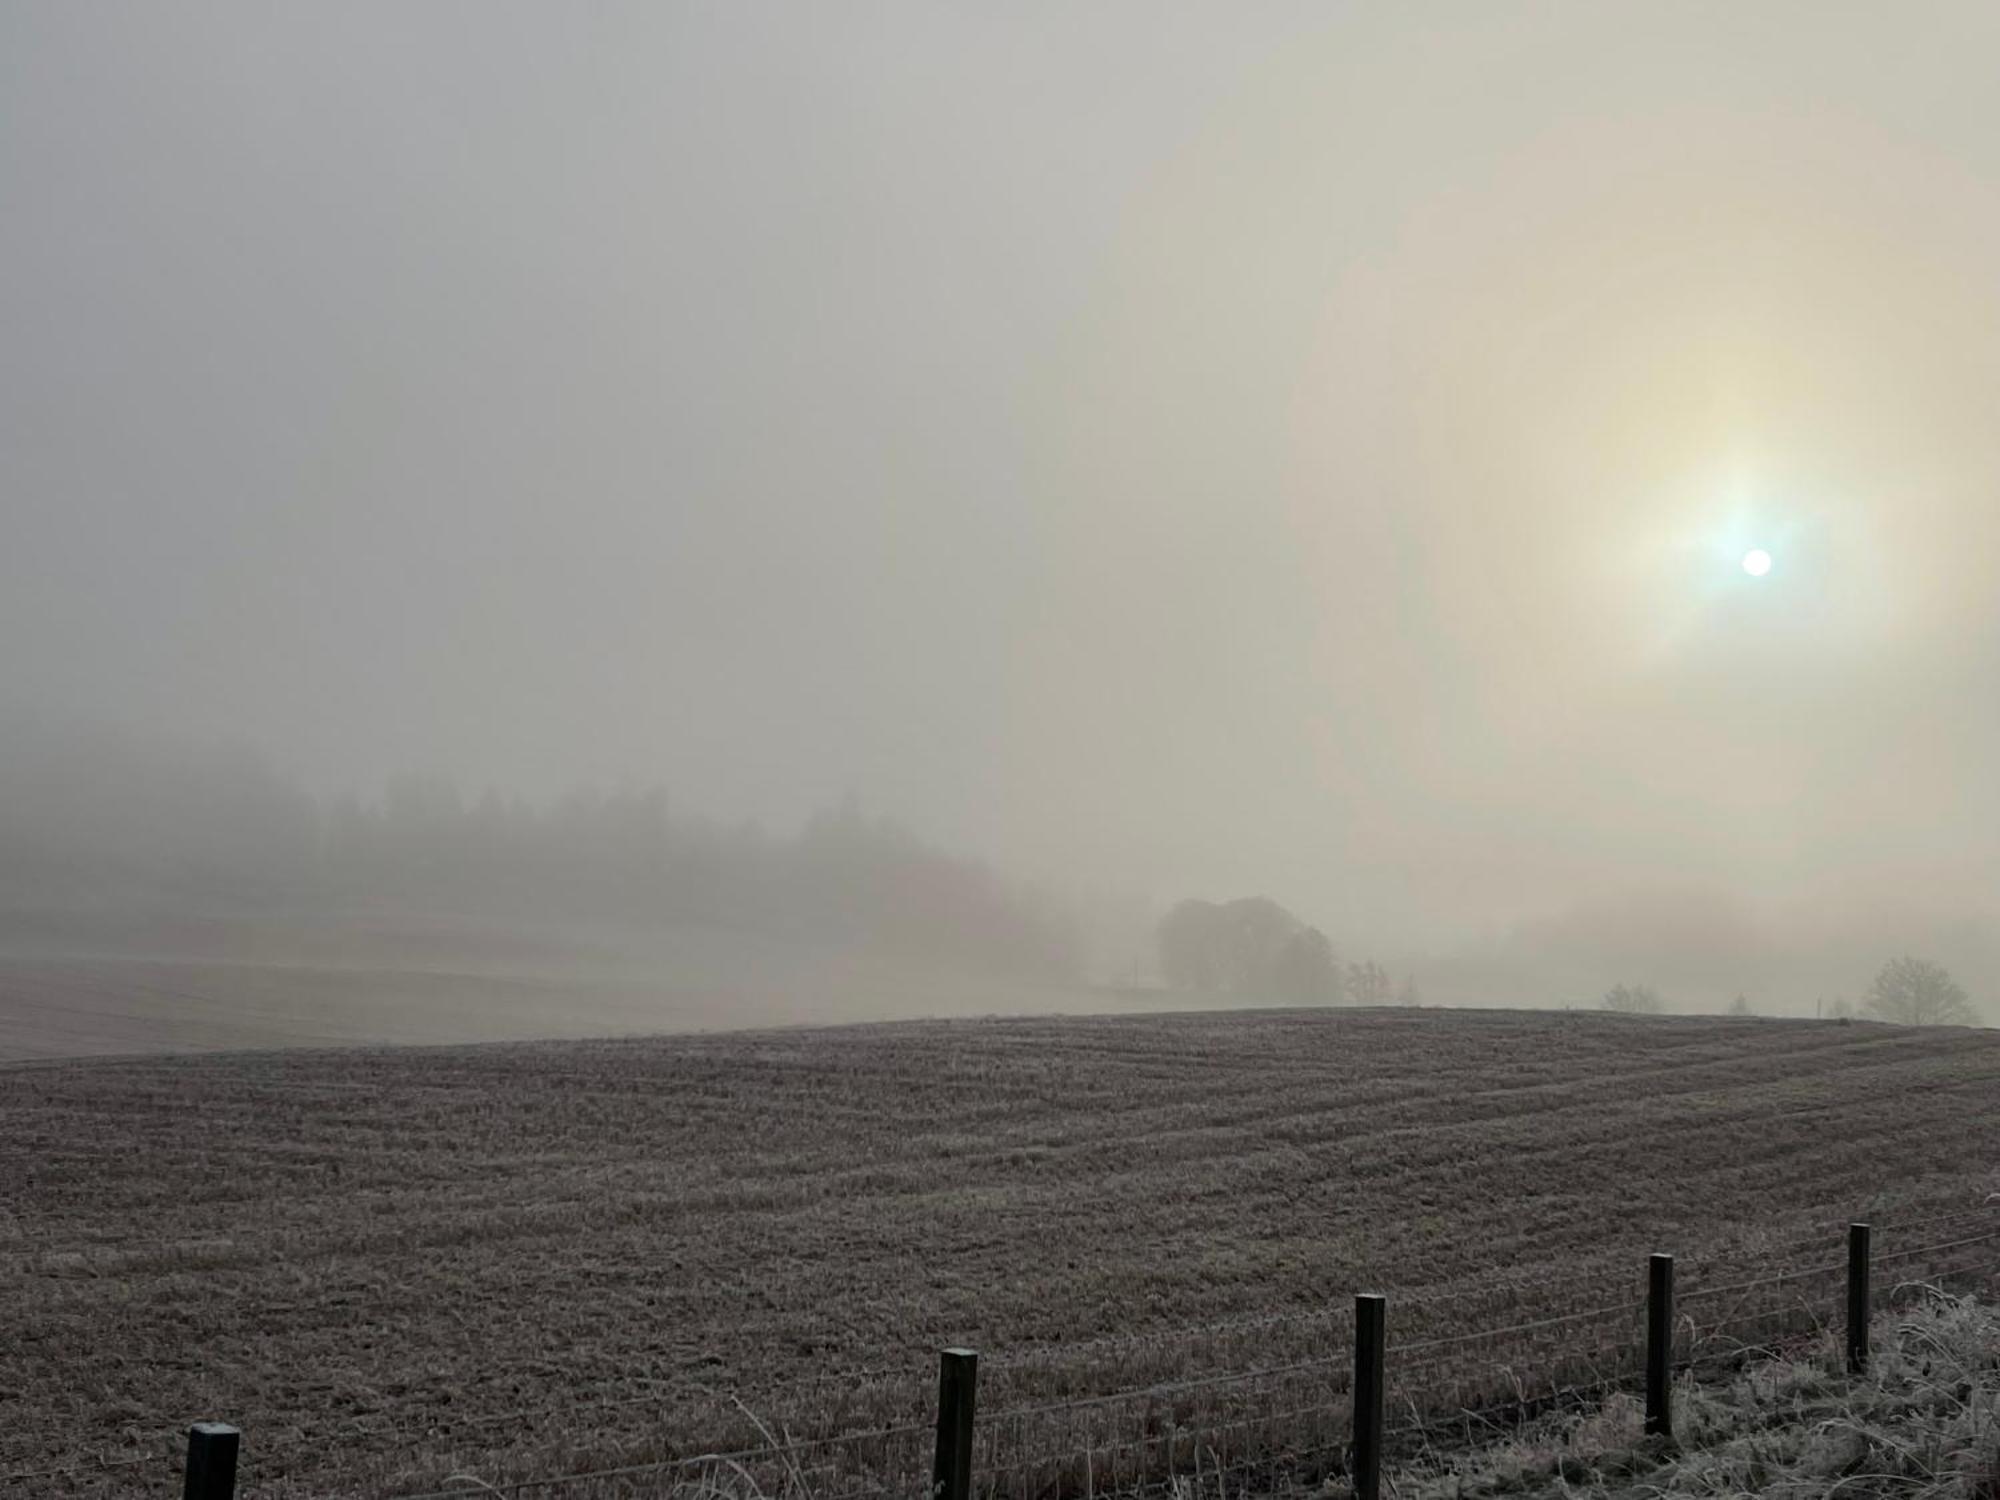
[1369, 1310]
[1660, 1346]
[211, 1461]
[951, 1470]
[1857, 1298]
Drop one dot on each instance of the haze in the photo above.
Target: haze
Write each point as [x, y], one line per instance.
[1295, 450]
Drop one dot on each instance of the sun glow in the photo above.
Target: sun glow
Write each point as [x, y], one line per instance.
[1756, 562]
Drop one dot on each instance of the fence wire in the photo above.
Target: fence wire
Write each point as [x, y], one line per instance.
[1286, 1417]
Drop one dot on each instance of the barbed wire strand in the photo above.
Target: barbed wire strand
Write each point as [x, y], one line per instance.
[90, 1465]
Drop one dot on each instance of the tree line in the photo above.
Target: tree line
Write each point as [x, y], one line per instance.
[107, 823]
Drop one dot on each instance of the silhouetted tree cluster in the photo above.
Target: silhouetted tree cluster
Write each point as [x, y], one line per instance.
[87, 819]
[1251, 948]
[100, 821]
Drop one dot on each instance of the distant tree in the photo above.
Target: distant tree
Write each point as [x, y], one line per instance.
[1304, 971]
[1368, 984]
[1254, 933]
[1409, 994]
[1633, 999]
[1842, 1008]
[1740, 1007]
[1252, 948]
[1191, 946]
[1916, 992]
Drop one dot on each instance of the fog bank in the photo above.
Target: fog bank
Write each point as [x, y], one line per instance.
[1301, 451]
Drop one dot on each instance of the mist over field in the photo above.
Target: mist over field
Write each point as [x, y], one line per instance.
[1010, 751]
[880, 501]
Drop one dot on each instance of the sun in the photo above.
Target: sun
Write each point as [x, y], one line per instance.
[1756, 562]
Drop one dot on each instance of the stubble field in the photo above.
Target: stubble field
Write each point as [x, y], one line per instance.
[391, 1267]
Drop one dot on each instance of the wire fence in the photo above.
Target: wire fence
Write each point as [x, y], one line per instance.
[1264, 1400]
[1289, 1425]
[155, 1469]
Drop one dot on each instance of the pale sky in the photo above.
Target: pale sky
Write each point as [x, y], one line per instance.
[1171, 450]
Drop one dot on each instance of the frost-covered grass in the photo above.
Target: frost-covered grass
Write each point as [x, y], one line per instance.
[393, 1266]
[1922, 1424]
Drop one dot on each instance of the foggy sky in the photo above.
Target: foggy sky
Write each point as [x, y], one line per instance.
[1169, 450]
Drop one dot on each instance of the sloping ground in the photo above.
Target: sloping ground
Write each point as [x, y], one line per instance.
[61, 1005]
[389, 1266]
[1922, 1424]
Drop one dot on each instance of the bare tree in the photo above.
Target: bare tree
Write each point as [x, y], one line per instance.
[1633, 999]
[1740, 1006]
[1916, 992]
[1368, 984]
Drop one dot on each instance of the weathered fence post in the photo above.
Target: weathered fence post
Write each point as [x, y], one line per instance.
[1857, 1298]
[1660, 1346]
[211, 1461]
[1369, 1310]
[951, 1471]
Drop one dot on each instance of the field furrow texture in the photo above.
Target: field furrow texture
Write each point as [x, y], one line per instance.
[392, 1265]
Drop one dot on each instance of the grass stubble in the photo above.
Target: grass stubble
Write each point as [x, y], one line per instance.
[395, 1266]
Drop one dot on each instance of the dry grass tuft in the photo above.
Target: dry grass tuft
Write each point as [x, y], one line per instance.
[1923, 1424]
